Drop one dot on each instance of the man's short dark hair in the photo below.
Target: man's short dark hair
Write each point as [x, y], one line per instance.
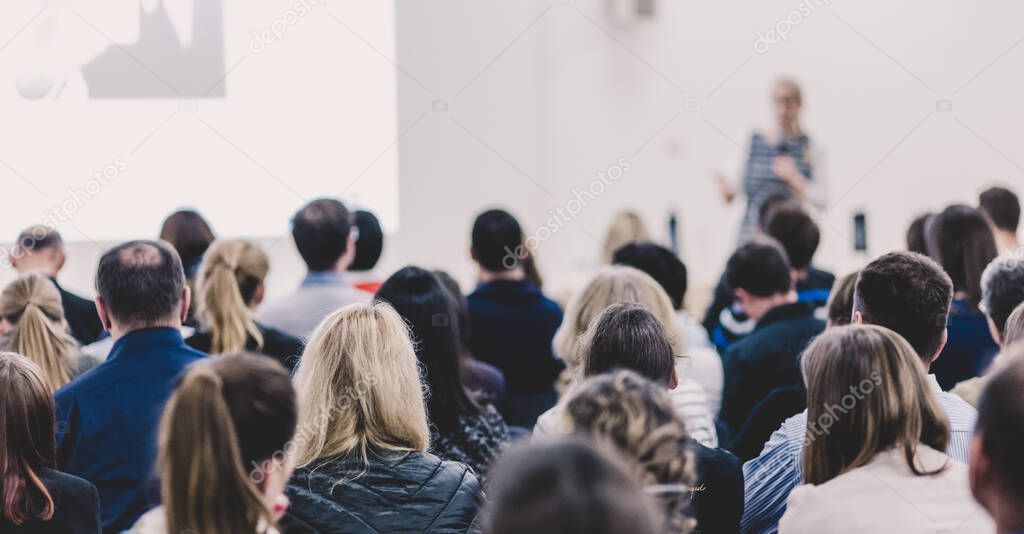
[497, 241]
[759, 267]
[660, 263]
[321, 229]
[909, 294]
[370, 243]
[1000, 418]
[794, 229]
[39, 237]
[1002, 289]
[140, 282]
[627, 336]
[1002, 206]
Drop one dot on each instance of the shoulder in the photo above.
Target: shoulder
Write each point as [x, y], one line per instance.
[808, 510]
[68, 486]
[962, 415]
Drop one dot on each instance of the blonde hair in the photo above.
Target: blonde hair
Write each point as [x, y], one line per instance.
[613, 285]
[635, 416]
[625, 228]
[228, 278]
[359, 387]
[206, 482]
[867, 392]
[32, 305]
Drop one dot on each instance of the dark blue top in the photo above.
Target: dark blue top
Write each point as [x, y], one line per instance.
[511, 327]
[970, 348]
[107, 421]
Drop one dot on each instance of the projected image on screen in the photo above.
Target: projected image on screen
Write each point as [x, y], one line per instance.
[118, 112]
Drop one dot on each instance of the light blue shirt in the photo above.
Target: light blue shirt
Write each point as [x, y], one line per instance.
[319, 295]
[769, 478]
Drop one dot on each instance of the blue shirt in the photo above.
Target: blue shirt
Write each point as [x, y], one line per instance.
[769, 478]
[107, 421]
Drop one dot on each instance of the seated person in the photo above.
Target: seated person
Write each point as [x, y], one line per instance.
[363, 272]
[874, 459]
[799, 236]
[1002, 208]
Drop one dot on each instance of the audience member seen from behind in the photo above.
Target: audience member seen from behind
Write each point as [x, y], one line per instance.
[915, 234]
[567, 487]
[840, 301]
[877, 466]
[325, 236]
[37, 498]
[1003, 209]
[483, 380]
[363, 272]
[626, 285]
[996, 462]
[907, 293]
[142, 300]
[462, 428]
[190, 235]
[626, 227]
[700, 362]
[960, 239]
[362, 462]
[32, 324]
[799, 236]
[222, 442]
[511, 321]
[40, 249]
[760, 276]
[229, 287]
[633, 415]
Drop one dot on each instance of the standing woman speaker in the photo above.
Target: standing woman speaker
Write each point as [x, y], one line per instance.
[780, 164]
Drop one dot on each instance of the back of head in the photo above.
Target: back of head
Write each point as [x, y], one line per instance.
[840, 300]
[227, 418]
[1000, 418]
[612, 285]
[1002, 207]
[658, 262]
[420, 298]
[961, 240]
[1013, 331]
[189, 233]
[141, 284]
[798, 234]
[359, 386]
[915, 234]
[909, 294]
[1002, 289]
[497, 241]
[26, 440]
[635, 416]
[32, 305]
[370, 244]
[321, 232]
[231, 274]
[759, 267]
[566, 487]
[626, 227]
[626, 336]
[38, 248]
[866, 393]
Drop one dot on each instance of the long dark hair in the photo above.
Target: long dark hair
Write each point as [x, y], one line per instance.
[960, 239]
[26, 440]
[420, 298]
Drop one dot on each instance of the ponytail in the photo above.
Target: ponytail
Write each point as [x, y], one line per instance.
[32, 304]
[205, 486]
[223, 308]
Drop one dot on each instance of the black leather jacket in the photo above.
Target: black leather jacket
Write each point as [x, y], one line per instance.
[406, 492]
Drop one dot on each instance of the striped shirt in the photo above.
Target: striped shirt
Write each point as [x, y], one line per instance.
[769, 478]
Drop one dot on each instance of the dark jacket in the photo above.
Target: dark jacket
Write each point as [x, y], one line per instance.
[766, 359]
[766, 417]
[76, 507]
[970, 348]
[511, 327]
[83, 321]
[717, 496]
[107, 421]
[477, 441]
[283, 347]
[397, 492]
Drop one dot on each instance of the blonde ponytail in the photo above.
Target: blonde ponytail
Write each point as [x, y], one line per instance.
[205, 486]
[228, 277]
[32, 305]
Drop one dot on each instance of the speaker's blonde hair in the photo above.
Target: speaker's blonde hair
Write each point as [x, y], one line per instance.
[359, 387]
[32, 305]
[613, 285]
[228, 277]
